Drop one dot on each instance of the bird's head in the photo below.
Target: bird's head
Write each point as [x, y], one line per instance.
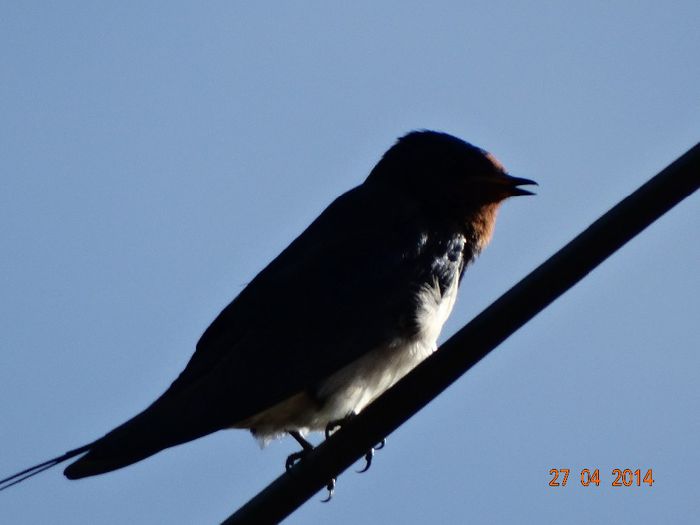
[448, 178]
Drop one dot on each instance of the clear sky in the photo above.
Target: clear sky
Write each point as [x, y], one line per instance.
[155, 156]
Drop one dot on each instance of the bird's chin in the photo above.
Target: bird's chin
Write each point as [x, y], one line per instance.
[481, 224]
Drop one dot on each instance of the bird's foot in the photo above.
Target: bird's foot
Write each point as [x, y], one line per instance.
[296, 457]
[334, 425]
[330, 487]
[306, 447]
[369, 456]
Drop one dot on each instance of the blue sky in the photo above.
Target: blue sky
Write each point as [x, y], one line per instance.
[155, 156]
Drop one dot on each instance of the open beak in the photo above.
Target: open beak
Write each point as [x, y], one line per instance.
[512, 185]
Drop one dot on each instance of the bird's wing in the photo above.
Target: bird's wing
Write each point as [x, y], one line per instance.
[346, 285]
[342, 288]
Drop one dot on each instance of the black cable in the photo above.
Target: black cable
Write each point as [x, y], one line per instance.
[468, 346]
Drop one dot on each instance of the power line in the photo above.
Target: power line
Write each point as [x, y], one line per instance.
[468, 346]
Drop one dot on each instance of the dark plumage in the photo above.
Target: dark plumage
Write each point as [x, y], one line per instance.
[350, 306]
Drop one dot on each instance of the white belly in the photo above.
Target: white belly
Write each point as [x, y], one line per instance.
[353, 387]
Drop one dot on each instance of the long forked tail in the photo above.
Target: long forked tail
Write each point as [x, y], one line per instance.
[41, 467]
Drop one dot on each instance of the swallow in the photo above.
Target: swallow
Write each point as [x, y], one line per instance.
[345, 311]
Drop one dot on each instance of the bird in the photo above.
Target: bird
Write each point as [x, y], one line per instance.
[354, 303]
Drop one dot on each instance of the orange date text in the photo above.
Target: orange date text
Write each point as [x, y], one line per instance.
[559, 477]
